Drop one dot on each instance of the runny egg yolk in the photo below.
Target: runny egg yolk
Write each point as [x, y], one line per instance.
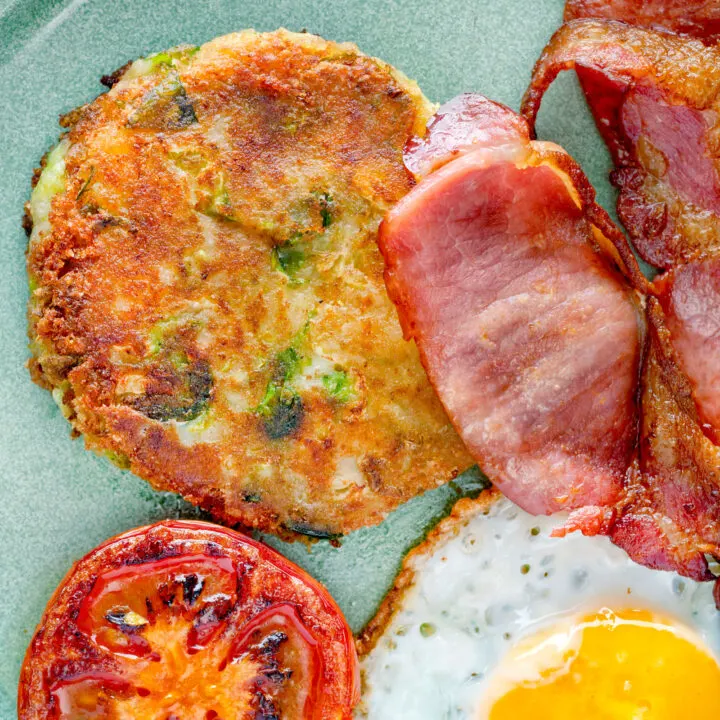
[629, 665]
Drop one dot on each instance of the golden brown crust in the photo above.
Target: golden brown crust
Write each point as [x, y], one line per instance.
[463, 511]
[114, 77]
[208, 300]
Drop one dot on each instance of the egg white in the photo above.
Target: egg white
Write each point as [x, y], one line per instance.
[492, 575]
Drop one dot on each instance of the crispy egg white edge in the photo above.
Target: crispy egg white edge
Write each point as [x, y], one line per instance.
[489, 575]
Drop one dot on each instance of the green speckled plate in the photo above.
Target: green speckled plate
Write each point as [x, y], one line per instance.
[59, 501]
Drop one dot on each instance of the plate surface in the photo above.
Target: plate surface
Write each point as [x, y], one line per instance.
[58, 501]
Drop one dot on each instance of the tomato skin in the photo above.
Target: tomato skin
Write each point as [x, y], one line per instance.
[289, 614]
[269, 590]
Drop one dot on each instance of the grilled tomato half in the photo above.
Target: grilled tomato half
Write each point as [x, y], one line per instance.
[189, 621]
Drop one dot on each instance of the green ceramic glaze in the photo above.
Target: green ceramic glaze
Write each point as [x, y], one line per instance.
[59, 501]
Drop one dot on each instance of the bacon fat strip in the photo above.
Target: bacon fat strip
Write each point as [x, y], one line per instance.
[699, 18]
[654, 96]
[504, 273]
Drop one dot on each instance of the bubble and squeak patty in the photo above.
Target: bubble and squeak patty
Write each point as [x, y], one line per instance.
[207, 298]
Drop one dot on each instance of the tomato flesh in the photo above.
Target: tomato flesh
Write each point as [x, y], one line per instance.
[198, 630]
[88, 695]
[125, 601]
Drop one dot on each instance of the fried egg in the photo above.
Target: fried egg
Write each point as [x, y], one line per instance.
[492, 618]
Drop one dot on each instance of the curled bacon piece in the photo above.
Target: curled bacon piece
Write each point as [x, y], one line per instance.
[503, 270]
[654, 96]
[670, 519]
[698, 18]
[530, 315]
[467, 122]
